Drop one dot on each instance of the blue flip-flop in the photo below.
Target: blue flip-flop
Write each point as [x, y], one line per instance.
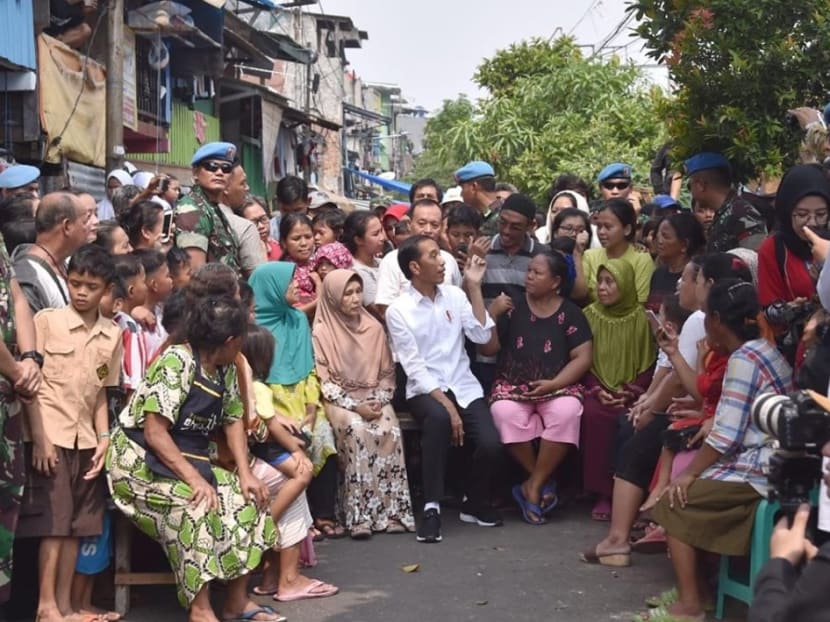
[550, 489]
[527, 507]
[249, 616]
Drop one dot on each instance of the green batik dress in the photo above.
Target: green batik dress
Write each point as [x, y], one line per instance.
[11, 429]
[200, 545]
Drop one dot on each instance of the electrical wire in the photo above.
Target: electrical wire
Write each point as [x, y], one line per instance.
[594, 4]
[614, 33]
[57, 139]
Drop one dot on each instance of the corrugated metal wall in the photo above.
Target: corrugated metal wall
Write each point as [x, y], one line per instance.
[17, 44]
[183, 143]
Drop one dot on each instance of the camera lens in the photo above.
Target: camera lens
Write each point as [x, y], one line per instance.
[767, 411]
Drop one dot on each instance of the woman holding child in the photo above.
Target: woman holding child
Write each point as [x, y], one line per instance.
[357, 376]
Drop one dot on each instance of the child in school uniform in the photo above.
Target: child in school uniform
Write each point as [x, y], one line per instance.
[159, 287]
[69, 432]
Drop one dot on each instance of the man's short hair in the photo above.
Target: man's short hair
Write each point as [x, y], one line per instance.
[93, 260]
[486, 183]
[421, 203]
[291, 189]
[410, 251]
[54, 209]
[425, 183]
[718, 177]
[464, 216]
[503, 186]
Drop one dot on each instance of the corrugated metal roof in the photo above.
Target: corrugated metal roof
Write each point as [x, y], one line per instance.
[17, 45]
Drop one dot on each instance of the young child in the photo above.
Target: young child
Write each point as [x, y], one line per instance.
[159, 288]
[128, 291]
[178, 262]
[330, 257]
[65, 497]
[297, 241]
[327, 227]
[462, 225]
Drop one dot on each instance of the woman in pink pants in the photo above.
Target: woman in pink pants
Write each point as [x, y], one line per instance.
[544, 347]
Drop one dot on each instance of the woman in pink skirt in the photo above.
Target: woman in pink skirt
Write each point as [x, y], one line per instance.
[544, 345]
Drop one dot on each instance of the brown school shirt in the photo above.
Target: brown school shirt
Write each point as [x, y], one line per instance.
[78, 364]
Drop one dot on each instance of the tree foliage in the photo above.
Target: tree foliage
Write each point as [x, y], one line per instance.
[433, 162]
[550, 110]
[738, 66]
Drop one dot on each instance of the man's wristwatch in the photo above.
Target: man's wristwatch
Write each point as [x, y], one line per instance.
[37, 357]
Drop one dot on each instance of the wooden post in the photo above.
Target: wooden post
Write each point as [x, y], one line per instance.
[115, 84]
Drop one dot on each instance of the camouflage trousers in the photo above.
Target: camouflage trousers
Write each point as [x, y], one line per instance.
[11, 487]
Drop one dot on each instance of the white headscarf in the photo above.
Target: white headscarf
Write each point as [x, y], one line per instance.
[105, 209]
[543, 235]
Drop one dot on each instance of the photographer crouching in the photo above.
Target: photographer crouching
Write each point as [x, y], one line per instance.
[795, 583]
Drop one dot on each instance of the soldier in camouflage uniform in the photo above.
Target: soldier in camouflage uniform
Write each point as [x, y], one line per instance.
[736, 223]
[202, 228]
[478, 189]
[21, 377]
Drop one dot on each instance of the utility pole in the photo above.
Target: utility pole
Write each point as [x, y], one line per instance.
[115, 84]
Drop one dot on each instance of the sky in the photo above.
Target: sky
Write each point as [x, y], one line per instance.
[431, 48]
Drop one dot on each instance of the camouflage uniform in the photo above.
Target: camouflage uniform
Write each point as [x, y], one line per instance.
[735, 222]
[490, 222]
[201, 224]
[11, 441]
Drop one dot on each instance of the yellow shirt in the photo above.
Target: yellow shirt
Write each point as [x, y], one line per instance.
[78, 363]
[640, 260]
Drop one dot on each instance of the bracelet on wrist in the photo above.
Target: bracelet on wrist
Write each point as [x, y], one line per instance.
[34, 355]
[104, 435]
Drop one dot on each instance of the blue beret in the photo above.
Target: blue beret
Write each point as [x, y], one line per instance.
[214, 151]
[474, 170]
[704, 161]
[617, 170]
[18, 175]
[664, 201]
[826, 114]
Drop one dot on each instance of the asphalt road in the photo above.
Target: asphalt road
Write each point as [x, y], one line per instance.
[514, 573]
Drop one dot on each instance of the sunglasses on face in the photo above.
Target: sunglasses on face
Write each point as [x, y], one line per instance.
[618, 185]
[212, 167]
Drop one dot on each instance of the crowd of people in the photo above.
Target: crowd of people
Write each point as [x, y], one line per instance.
[228, 377]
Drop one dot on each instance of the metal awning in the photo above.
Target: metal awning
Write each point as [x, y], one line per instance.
[273, 45]
[300, 117]
[366, 114]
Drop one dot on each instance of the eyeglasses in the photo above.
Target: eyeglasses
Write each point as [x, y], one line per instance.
[262, 220]
[819, 216]
[212, 167]
[618, 185]
[571, 229]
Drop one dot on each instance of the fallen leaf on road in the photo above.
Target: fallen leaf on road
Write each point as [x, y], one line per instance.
[411, 568]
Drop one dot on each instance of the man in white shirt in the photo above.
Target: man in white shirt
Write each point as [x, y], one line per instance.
[425, 217]
[427, 324]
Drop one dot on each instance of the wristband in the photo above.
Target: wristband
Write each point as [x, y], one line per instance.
[104, 435]
[36, 356]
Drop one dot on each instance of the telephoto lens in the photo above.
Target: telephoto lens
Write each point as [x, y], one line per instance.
[767, 410]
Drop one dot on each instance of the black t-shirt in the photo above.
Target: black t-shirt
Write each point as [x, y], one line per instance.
[534, 348]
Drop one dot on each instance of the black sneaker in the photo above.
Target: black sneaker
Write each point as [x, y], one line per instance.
[430, 529]
[480, 515]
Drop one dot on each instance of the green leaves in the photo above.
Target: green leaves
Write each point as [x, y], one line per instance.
[738, 66]
[551, 110]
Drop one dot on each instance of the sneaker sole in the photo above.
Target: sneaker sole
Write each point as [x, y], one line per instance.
[428, 540]
[473, 520]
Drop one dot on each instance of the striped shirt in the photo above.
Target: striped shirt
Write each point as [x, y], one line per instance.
[756, 367]
[134, 363]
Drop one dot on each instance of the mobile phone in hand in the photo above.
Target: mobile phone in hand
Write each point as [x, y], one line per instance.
[654, 321]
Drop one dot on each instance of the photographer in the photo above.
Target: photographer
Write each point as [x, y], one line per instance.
[785, 590]
[787, 271]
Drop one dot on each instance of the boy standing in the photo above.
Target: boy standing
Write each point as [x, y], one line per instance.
[64, 498]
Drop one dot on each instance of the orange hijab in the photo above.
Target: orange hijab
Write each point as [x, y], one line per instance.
[352, 352]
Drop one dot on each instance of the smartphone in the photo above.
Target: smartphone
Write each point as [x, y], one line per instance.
[167, 226]
[654, 321]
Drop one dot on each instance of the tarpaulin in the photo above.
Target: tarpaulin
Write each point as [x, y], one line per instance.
[72, 103]
[387, 184]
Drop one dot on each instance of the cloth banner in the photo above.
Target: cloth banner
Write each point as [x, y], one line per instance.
[61, 84]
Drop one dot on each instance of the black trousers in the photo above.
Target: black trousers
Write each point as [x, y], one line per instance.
[638, 452]
[322, 492]
[480, 437]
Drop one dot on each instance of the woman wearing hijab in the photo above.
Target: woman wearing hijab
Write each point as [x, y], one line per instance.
[115, 179]
[357, 377]
[787, 272]
[294, 384]
[624, 355]
[561, 201]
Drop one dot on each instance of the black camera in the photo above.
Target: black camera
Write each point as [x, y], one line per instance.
[802, 427]
[786, 313]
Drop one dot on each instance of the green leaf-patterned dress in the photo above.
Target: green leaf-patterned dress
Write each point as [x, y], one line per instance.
[201, 546]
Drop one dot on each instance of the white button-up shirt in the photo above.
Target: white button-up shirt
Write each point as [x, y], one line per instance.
[428, 339]
[392, 282]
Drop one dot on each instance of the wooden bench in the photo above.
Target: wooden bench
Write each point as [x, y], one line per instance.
[125, 578]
